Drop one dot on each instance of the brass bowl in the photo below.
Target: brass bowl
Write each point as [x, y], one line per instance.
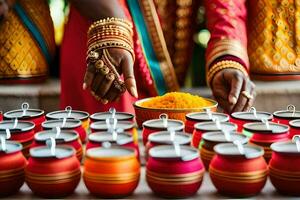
[143, 114]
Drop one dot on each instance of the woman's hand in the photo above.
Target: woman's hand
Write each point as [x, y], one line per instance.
[101, 83]
[233, 90]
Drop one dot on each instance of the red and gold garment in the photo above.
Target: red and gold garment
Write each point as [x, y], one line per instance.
[163, 31]
[270, 27]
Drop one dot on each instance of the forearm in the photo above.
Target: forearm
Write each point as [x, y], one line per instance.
[227, 24]
[99, 9]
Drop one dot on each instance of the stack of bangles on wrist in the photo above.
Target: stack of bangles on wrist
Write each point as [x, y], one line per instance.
[105, 34]
[225, 64]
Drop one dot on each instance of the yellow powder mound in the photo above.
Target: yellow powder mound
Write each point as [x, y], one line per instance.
[178, 100]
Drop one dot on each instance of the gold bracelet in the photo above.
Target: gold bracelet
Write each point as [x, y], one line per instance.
[114, 22]
[225, 64]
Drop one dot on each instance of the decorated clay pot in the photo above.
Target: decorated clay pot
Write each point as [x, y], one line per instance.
[204, 127]
[241, 118]
[162, 124]
[120, 116]
[264, 136]
[211, 139]
[111, 172]
[21, 131]
[174, 175]
[52, 176]
[66, 124]
[238, 175]
[165, 138]
[35, 116]
[12, 164]
[285, 116]
[294, 128]
[285, 168]
[70, 138]
[193, 118]
[124, 139]
[71, 114]
[127, 126]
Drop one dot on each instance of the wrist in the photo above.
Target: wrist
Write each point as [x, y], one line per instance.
[221, 65]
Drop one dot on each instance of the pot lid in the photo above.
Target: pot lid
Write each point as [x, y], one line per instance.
[45, 152]
[295, 123]
[102, 125]
[230, 149]
[120, 116]
[68, 113]
[112, 152]
[204, 116]
[23, 113]
[69, 123]
[163, 137]
[260, 127]
[212, 126]
[285, 147]
[16, 126]
[159, 124]
[64, 136]
[10, 147]
[250, 116]
[219, 137]
[122, 138]
[187, 153]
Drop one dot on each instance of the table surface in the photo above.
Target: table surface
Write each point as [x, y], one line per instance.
[207, 191]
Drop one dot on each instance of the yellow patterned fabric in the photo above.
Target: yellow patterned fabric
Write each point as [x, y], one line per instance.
[20, 54]
[274, 37]
[178, 18]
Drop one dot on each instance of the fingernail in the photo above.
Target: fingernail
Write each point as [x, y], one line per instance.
[84, 86]
[233, 100]
[134, 92]
[104, 101]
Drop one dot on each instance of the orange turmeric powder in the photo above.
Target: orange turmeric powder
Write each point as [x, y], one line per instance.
[176, 100]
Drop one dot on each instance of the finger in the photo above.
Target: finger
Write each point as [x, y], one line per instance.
[236, 86]
[105, 86]
[88, 77]
[113, 92]
[242, 99]
[127, 69]
[227, 107]
[250, 101]
[99, 77]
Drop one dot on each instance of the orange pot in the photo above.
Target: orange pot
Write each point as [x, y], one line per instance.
[52, 176]
[123, 139]
[174, 176]
[235, 174]
[241, 118]
[193, 118]
[204, 127]
[71, 114]
[69, 138]
[156, 125]
[164, 138]
[111, 172]
[35, 116]
[12, 164]
[23, 132]
[285, 168]
[70, 124]
[211, 139]
[264, 137]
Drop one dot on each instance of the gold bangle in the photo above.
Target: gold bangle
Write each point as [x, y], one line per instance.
[225, 64]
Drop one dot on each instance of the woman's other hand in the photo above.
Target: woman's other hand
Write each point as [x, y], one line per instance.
[233, 90]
